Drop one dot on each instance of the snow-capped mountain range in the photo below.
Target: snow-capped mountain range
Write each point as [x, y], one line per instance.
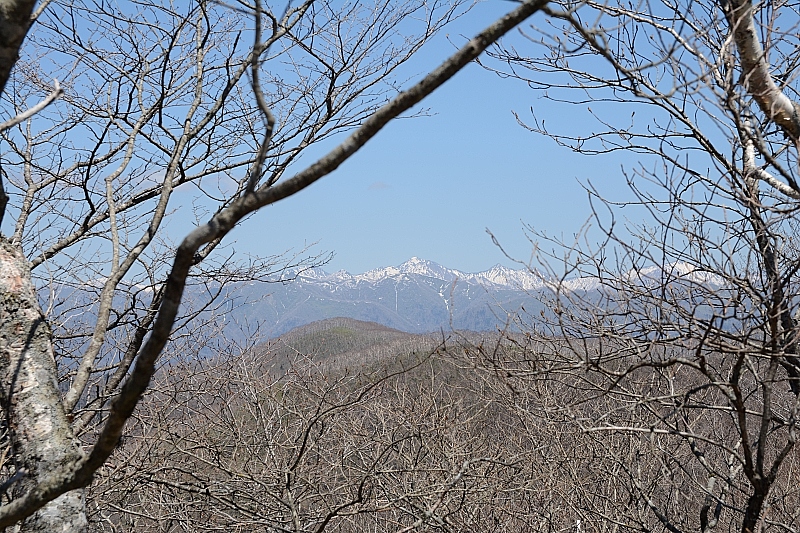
[417, 296]
[497, 276]
[421, 296]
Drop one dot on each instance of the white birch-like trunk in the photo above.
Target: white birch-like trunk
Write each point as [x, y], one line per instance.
[41, 437]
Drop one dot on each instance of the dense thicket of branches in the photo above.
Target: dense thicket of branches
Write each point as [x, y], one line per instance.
[192, 112]
[405, 442]
[690, 340]
[663, 399]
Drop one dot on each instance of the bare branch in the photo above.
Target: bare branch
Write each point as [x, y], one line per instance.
[52, 97]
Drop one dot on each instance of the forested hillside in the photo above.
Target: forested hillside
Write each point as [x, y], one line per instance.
[359, 428]
[639, 371]
[356, 427]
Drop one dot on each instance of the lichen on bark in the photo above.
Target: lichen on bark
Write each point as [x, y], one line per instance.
[42, 440]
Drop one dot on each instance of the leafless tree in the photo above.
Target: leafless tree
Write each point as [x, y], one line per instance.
[406, 442]
[680, 343]
[156, 101]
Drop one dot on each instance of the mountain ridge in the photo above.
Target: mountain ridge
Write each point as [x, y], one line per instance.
[421, 296]
[417, 296]
[499, 275]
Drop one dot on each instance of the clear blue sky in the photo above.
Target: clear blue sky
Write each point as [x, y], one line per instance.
[430, 186]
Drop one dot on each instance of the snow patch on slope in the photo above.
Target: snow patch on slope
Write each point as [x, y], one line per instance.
[501, 277]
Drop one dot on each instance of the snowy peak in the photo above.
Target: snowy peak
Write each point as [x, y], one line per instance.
[429, 269]
[507, 277]
[378, 274]
[496, 277]
[500, 277]
[414, 266]
[678, 272]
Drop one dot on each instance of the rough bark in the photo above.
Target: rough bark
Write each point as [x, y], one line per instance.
[15, 20]
[41, 437]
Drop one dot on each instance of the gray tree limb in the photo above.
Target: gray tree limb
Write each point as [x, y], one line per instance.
[70, 474]
[756, 75]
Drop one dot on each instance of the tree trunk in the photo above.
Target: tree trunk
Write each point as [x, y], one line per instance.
[15, 20]
[753, 511]
[41, 438]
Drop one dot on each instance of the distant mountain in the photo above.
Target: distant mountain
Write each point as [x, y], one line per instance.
[421, 296]
[417, 296]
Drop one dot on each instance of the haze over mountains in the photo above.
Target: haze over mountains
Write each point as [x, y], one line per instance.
[417, 296]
